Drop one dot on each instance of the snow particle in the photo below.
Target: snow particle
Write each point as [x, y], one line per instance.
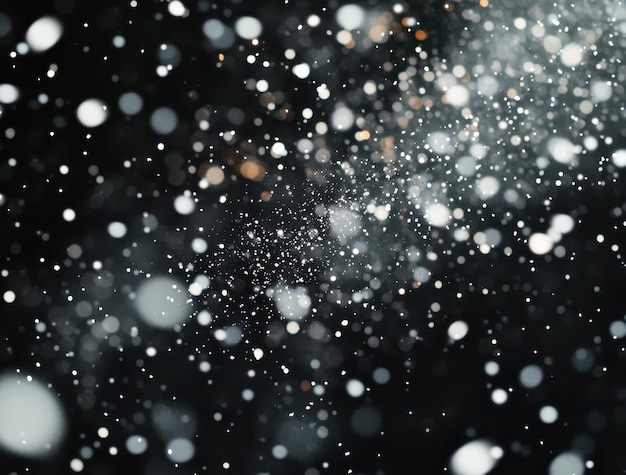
[33, 420]
[619, 158]
[437, 215]
[43, 34]
[457, 95]
[548, 414]
[567, 463]
[161, 302]
[136, 444]
[92, 113]
[355, 388]
[180, 450]
[184, 204]
[248, 27]
[457, 330]
[130, 103]
[531, 376]
[9, 93]
[562, 150]
[475, 458]
[540, 243]
[164, 120]
[571, 55]
[350, 16]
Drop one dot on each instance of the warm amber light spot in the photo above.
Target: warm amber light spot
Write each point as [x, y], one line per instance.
[420, 35]
[221, 56]
[448, 6]
[252, 170]
[305, 385]
[214, 175]
[416, 102]
[266, 196]
[484, 3]
[511, 93]
[387, 143]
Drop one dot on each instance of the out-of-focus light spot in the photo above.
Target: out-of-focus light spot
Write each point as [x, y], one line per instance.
[278, 150]
[618, 329]
[305, 145]
[279, 451]
[69, 215]
[323, 92]
[248, 27]
[199, 245]
[176, 8]
[466, 166]
[117, 229]
[9, 93]
[355, 388]
[571, 54]
[567, 463]
[33, 422]
[184, 204]
[301, 70]
[492, 368]
[292, 303]
[77, 465]
[499, 396]
[204, 317]
[164, 120]
[562, 150]
[583, 360]
[130, 103]
[439, 142]
[214, 175]
[457, 95]
[43, 34]
[342, 118]
[161, 302]
[344, 223]
[252, 170]
[601, 91]
[437, 215]
[136, 444]
[292, 328]
[475, 458]
[619, 158]
[540, 243]
[381, 375]
[457, 330]
[487, 187]
[562, 223]
[92, 113]
[548, 414]
[531, 376]
[350, 16]
[421, 275]
[229, 336]
[119, 41]
[180, 450]
[8, 296]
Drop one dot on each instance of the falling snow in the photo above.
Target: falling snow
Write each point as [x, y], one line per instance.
[313, 237]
